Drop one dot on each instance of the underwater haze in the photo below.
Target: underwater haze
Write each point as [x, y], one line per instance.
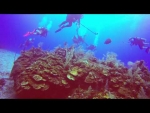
[118, 27]
[109, 33]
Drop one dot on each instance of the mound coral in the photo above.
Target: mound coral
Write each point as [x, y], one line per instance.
[75, 73]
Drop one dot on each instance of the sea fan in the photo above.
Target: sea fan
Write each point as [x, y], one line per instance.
[69, 56]
[142, 94]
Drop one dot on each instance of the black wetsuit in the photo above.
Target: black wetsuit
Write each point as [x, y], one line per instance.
[71, 18]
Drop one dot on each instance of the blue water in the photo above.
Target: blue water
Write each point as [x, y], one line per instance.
[118, 27]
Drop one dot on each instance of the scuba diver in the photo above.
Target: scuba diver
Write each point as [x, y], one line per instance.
[147, 50]
[141, 42]
[71, 18]
[27, 43]
[77, 39]
[91, 47]
[39, 31]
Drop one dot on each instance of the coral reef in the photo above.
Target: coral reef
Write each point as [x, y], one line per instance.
[74, 73]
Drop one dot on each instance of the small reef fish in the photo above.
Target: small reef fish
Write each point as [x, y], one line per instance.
[107, 41]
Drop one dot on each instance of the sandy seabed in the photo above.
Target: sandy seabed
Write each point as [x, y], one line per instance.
[6, 83]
